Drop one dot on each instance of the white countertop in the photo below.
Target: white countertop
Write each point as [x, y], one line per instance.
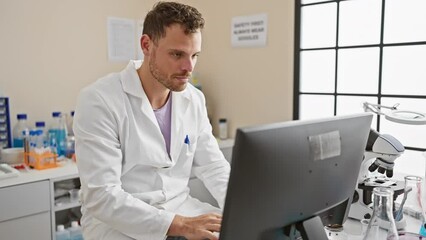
[353, 228]
[225, 143]
[65, 169]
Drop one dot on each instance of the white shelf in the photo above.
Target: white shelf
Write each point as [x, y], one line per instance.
[64, 203]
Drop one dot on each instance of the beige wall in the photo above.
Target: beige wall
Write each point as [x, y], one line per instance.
[247, 85]
[50, 49]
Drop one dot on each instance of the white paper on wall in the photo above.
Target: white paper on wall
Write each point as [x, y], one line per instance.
[249, 31]
[121, 39]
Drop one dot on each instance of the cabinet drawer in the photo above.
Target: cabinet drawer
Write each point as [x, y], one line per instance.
[32, 227]
[23, 200]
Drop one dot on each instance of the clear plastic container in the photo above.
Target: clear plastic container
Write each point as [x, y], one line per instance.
[223, 128]
[74, 195]
[62, 233]
[57, 133]
[75, 231]
[70, 121]
[20, 130]
[40, 127]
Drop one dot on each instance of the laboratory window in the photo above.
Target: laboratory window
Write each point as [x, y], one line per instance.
[348, 52]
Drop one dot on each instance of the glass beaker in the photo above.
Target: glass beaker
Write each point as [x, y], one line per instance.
[414, 205]
[382, 216]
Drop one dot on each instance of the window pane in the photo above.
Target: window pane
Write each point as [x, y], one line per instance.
[405, 21]
[408, 135]
[317, 71]
[359, 22]
[354, 104]
[318, 26]
[358, 70]
[404, 70]
[316, 106]
[410, 163]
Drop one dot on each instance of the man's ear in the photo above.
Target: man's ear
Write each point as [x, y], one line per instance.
[146, 44]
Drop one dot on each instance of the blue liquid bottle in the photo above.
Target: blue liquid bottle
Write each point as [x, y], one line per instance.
[62, 233]
[75, 231]
[58, 133]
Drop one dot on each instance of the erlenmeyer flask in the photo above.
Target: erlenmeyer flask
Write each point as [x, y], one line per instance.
[414, 205]
[382, 216]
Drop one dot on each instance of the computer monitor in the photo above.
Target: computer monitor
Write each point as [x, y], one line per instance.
[293, 175]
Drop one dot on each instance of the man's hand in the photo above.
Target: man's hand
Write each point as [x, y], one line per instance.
[196, 228]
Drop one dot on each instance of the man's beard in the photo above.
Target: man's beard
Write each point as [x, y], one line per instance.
[163, 79]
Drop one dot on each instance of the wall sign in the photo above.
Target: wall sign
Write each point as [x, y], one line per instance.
[249, 31]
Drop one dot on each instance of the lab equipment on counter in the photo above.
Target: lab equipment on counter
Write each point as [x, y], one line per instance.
[70, 121]
[413, 202]
[58, 132]
[395, 115]
[380, 153]
[382, 212]
[20, 130]
[6, 171]
[223, 128]
[37, 153]
[40, 126]
[41, 161]
[12, 155]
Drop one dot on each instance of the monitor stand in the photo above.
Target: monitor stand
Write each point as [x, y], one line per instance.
[310, 229]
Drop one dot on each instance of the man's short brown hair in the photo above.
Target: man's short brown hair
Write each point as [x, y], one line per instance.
[165, 14]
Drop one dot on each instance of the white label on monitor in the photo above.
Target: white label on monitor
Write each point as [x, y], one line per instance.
[326, 145]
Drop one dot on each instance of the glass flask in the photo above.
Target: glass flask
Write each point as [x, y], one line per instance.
[414, 205]
[382, 216]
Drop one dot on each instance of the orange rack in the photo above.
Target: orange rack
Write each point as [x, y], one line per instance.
[41, 161]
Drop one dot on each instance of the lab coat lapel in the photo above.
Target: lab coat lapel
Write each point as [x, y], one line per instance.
[132, 85]
[180, 103]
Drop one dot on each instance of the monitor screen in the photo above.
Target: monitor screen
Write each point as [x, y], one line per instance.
[287, 175]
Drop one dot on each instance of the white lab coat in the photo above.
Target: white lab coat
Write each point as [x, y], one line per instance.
[130, 186]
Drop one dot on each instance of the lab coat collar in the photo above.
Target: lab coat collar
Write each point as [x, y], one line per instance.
[130, 79]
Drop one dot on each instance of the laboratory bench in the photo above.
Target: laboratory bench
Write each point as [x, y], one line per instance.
[35, 201]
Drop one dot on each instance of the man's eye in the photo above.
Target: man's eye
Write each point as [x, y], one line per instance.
[176, 55]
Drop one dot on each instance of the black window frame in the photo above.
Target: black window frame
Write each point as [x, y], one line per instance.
[381, 46]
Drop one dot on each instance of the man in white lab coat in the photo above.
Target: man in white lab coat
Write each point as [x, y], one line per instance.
[142, 132]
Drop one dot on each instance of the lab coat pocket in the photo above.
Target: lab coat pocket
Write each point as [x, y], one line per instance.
[190, 149]
[189, 146]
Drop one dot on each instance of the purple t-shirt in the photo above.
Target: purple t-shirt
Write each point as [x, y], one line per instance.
[164, 116]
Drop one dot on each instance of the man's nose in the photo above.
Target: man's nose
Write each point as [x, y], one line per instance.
[188, 64]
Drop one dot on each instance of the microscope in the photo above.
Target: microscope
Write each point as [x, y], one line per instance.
[380, 154]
